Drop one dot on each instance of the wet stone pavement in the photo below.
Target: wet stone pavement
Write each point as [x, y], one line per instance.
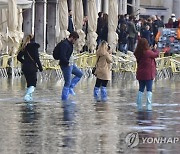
[83, 126]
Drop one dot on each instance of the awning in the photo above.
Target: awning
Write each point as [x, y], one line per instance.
[23, 4]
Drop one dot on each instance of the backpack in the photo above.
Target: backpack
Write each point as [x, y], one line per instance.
[57, 50]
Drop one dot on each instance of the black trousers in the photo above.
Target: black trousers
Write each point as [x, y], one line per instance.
[31, 78]
[100, 82]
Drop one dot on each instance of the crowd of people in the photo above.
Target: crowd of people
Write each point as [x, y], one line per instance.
[128, 29]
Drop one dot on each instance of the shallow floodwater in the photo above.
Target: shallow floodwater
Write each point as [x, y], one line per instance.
[83, 126]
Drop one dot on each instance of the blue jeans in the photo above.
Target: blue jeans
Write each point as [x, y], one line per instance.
[123, 48]
[68, 71]
[145, 83]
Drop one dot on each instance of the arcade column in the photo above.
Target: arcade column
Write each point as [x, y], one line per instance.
[70, 4]
[105, 6]
[120, 7]
[40, 24]
[85, 7]
[124, 7]
[28, 20]
[51, 24]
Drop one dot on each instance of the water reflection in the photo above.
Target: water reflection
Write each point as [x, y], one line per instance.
[146, 120]
[81, 125]
[69, 137]
[29, 114]
[29, 127]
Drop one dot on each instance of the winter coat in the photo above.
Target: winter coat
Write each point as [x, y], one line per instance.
[27, 63]
[103, 70]
[123, 37]
[104, 33]
[147, 35]
[66, 50]
[132, 30]
[146, 65]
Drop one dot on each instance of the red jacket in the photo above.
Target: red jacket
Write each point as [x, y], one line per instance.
[146, 65]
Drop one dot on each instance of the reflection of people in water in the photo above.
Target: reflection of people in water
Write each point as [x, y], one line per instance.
[29, 114]
[145, 120]
[69, 109]
[104, 120]
[30, 135]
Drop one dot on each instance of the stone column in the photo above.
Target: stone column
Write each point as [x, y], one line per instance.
[69, 4]
[85, 7]
[120, 7]
[124, 7]
[40, 24]
[51, 23]
[28, 20]
[98, 4]
[133, 6]
[105, 4]
[137, 9]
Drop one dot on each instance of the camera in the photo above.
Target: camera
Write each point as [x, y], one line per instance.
[109, 47]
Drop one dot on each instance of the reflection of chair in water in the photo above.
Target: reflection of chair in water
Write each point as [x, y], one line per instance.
[4, 65]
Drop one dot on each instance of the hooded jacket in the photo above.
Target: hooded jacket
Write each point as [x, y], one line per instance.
[103, 70]
[30, 62]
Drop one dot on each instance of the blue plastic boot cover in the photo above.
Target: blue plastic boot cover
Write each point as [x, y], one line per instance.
[103, 94]
[65, 93]
[149, 101]
[139, 100]
[96, 93]
[28, 96]
[71, 91]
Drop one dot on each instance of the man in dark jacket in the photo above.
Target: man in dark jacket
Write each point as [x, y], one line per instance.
[67, 66]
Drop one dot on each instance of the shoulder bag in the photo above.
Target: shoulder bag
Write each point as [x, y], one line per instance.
[32, 59]
[94, 68]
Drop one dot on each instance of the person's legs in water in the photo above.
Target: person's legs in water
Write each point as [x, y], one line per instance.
[67, 71]
[140, 94]
[149, 84]
[97, 89]
[31, 79]
[78, 74]
[104, 90]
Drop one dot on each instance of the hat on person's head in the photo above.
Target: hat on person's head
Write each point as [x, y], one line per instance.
[173, 15]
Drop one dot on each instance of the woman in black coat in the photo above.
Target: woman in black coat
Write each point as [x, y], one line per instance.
[29, 57]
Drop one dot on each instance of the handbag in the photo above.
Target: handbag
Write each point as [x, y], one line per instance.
[94, 68]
